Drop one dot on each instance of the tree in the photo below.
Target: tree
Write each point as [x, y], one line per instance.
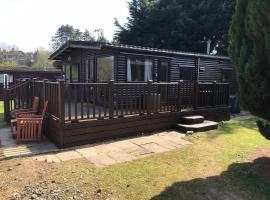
[250, 50]
[178, 24]
[41, 60]
[68, 32]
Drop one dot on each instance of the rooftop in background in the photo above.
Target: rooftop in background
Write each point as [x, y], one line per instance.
[100, 46]
[27, 69]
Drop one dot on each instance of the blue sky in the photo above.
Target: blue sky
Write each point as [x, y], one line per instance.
[30, 24]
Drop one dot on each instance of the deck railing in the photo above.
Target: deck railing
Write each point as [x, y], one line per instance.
[73, 102]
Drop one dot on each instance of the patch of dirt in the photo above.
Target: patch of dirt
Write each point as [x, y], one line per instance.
[260, 160]
[29, 179]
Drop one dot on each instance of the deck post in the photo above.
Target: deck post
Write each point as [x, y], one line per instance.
[61, 101]
[149, 97]
[111, 100]
[44, 89]
[195, 95]
[179, 102]
[214, 88]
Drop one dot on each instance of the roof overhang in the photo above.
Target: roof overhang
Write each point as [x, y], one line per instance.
[69, 45]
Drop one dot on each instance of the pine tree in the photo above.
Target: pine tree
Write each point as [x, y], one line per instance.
[250, 53]
[178, 24]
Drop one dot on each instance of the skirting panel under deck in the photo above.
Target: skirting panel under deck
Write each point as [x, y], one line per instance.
[85, 132]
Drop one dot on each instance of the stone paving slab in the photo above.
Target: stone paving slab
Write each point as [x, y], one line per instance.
[100, 154]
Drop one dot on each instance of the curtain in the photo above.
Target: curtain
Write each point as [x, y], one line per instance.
[128, 70]
[148, 64]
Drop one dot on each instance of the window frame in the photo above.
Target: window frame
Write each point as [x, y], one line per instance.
[140, 58]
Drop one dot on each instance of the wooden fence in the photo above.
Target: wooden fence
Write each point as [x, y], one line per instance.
[73, 102]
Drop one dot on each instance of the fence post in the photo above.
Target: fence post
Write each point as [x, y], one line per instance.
[44, 89]
[149, 97]
[214, 93]
[6, 106]
[179, 103]
[111, 99]
[195, 95]
[61, 100]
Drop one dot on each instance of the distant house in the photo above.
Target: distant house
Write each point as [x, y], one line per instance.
[15, 56]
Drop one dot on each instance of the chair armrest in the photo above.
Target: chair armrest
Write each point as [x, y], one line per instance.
[30, 116]
[22, 110]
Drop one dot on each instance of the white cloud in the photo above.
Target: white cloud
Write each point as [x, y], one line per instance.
[30, 24]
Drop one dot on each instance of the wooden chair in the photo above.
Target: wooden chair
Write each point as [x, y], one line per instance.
[29, 126]
[29, 129]
[33, 110]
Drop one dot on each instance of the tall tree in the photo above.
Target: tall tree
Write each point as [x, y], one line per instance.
[41, 60]
[68, 32]
[178, 24]
[250, 52]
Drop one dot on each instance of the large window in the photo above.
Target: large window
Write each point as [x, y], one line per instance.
[139, 69]
[186, 73]
[105, 68]
[72, 72]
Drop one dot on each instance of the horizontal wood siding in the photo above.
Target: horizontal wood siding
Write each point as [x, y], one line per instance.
[54, 130]
[213, 70]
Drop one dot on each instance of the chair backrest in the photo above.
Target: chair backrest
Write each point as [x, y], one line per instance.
[44, 108]
[35, 104]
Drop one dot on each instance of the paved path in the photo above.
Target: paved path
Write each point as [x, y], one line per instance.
[112, 152]
[101, 154]
[12, 150]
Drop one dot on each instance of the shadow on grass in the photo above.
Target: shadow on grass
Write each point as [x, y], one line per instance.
[241, 181]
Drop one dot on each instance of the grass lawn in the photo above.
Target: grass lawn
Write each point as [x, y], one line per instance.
[1, 114]
[228, 163]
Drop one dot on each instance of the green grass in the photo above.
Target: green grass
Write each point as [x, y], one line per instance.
[216, 166]
[2, 114]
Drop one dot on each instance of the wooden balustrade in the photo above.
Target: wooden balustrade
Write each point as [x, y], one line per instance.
[73, 102]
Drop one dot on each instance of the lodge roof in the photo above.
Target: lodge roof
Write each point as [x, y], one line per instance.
[69, 45]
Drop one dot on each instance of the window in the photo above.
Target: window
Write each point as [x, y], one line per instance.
[67, 72]
[186, 73]
[226, 75]
[105, 68]
[139, 69]
[75, 73]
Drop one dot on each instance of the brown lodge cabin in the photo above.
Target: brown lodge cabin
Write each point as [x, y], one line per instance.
[96, 62]
[113, 90]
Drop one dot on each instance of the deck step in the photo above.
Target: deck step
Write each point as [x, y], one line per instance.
[205, 126]
[195, 119]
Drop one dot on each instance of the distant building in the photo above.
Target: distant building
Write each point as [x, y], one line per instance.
[16, 56]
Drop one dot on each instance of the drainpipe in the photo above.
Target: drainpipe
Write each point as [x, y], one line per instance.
[208, 46]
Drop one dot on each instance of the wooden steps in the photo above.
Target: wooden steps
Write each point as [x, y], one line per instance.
[195, 124]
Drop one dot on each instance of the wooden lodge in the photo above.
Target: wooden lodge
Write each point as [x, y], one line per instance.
[112, 90]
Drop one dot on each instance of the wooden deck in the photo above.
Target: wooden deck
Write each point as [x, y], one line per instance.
[81, 113]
